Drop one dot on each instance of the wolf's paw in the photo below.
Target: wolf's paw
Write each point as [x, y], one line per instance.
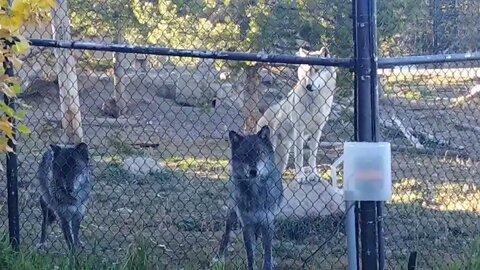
[79, 244]
[313, 175]
[41, 246]
[217, 262]
[307, 175]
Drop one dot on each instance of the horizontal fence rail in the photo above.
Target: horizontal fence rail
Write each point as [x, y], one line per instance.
[383, 63]
[223, 55]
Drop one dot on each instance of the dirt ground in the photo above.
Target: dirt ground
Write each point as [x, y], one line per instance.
[179, 213]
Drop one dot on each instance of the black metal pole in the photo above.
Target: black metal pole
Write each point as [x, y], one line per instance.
[12, 178]
[366, 124]
[376, 135]
[355, 122]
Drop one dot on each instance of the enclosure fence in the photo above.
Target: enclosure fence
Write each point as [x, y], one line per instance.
[158, 119]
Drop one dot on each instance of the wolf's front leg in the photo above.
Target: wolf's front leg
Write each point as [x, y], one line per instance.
[312, 159]
[249, 241]
[267, 239]
[298, 153]
[76, 222]
[283, 145]
[229, 224]
[67, 231]
[48, 218]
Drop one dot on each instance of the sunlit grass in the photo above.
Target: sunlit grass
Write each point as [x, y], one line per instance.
[431, 77]
[215, 169]
[443, 196]
[423, 84]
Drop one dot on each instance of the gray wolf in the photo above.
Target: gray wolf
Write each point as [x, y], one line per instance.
[301, 116]
[65, 189]
[256, 193]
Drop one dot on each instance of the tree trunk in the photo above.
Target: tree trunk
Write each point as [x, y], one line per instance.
[251, 95]
[117, 104]
[67, 78]
[119, 72]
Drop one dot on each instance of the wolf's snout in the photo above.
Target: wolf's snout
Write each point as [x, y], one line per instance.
[309, 87]
[253, 173]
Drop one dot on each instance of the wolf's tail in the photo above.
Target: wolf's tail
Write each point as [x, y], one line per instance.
[43, 175]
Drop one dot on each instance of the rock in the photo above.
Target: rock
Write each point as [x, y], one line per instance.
[266, 77]
[141, 166]
[110, 108]
[194, 90]
[160, 83]
[167, 90]
[36, 73]
[228, 95]
[223, 76]
[312, 199]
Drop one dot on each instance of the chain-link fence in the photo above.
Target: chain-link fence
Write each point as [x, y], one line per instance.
[160, 147]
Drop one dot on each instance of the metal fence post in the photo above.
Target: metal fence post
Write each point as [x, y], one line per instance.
[366, 116]
[12, 177]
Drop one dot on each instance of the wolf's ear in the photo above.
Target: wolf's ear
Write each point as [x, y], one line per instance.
[82, 149]
[234, 137]
[264, 133]
[55, 148]
[302, 52]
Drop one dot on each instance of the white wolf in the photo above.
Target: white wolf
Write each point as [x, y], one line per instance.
[302, 116]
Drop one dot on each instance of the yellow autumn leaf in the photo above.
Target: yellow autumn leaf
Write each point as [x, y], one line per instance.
[21, 46]
[7, 79]
[20, 7]
[17, 63]
[7, 90]
[5, 148]
[5, 21]
[45, 4]
[5, 33]
[6, 128]
[15, 22]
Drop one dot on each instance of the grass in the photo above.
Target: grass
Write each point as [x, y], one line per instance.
[142, 256]
[443, 196]
[215, 169]
[423, 85]
[136, 258]
[122, 147]
[472, 261]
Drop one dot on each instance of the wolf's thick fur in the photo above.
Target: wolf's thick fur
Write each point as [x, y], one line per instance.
[302, 116]
[65, 189]
[256, 193]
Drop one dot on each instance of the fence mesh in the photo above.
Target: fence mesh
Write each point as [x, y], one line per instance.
[158, 127]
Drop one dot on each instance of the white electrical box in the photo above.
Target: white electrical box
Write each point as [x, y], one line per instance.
[367, 171]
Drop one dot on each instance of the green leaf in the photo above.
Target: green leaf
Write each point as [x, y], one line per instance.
[22, 128]
[7, 110]
[20, 115]
[16, 89]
